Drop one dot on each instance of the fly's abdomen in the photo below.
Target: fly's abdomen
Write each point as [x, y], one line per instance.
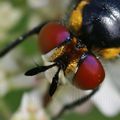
[101, 23]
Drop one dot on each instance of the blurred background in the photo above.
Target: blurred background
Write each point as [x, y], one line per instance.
[19, 95]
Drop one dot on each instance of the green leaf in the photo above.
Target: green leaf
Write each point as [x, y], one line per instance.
[13, 99]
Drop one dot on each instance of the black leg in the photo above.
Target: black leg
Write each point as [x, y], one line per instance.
[20, 39]
[75, 103]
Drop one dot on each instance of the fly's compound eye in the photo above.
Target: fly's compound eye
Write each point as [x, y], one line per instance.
[51, 36]
[90, 73]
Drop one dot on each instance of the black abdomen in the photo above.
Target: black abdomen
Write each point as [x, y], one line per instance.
[101, 23]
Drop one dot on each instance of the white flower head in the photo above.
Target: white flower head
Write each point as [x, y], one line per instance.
[34, 20]
[8, 17]
[37, 3]
[30, 108]
[108, 97]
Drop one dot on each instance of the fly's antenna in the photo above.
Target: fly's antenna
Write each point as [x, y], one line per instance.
[38, 69]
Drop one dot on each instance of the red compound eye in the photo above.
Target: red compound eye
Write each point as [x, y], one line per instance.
[52, 35]
[90, 74]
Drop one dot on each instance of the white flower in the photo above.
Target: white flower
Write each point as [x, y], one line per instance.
[10, 77]
[66, 94]
[7, 65]
[8, 17]
[37, 3]
[30, 108]
[47, 10]
[34, 20]
[108, 97]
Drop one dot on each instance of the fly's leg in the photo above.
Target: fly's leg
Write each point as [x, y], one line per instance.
[75, 104]
[20, 39]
